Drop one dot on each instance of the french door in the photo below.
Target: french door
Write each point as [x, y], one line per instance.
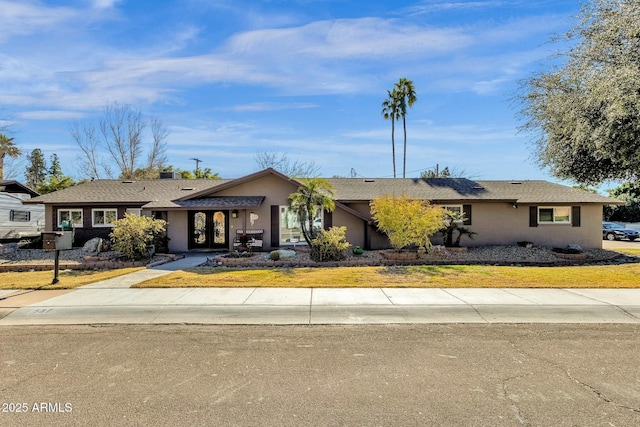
[208, 229]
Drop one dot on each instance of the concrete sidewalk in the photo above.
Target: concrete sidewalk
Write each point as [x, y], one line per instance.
[310, 306]
[113, 301]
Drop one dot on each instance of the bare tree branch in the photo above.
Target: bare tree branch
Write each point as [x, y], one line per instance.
[281, 163]
[84, 134]
[157, 154]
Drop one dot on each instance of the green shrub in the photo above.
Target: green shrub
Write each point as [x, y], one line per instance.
[358, 250]
[406, 221]
[330, 245]
[274, 255]
[133, 234]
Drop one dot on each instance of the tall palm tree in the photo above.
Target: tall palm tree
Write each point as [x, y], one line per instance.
[7, 148]
[406, 98]
[316, 193]
[390, 111]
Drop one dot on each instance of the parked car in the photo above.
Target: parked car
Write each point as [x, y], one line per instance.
[613, 231]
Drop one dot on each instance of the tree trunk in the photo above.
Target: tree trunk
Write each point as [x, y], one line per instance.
[393, 145]
[404, 161]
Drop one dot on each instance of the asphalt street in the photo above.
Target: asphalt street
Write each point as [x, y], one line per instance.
[391, 375]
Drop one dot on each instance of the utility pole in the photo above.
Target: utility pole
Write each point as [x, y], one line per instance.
[197, 163]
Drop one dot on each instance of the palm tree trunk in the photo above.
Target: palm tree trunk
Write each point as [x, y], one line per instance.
[404, 161]
[393, 145]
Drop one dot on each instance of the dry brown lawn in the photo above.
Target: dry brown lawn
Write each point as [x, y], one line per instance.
[608, 276]
[69, 279]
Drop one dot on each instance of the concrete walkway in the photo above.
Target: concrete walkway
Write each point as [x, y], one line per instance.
[136, 277]
[113, 301]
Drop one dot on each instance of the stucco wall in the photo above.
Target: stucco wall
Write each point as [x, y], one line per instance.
[276, 192]
[177, 231]
[355, 227]
[501, 224]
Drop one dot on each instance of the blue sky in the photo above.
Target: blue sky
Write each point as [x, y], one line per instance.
[230, 78]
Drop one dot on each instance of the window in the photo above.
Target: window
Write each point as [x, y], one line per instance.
[453, 208]
[554, 215]
[73, 215]
[103, 217]
[20, 216]
[290, 230]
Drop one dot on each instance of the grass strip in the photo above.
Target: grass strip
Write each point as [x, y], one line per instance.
[69, 279]
[453, 276]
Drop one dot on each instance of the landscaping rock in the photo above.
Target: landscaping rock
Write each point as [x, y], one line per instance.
[575, 247]
[286, 253]
[93, 246]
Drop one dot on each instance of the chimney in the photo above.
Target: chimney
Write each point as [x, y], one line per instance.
[169, 175]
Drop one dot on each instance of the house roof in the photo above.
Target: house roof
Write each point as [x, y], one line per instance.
[228, 202]
[151, 193]
[462, 189]
[185, 193]
[234, 182]
[11, 186]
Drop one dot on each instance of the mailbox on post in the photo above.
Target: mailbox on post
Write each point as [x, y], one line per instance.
[58, 241]
[49, 240]
[64, 240]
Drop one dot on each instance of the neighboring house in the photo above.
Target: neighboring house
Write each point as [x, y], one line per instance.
[18, 220]
[213, 214]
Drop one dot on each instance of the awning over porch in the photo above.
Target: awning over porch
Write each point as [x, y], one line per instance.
[225, 202]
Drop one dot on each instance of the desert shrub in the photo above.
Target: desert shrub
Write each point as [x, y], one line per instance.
[274, 255]
[133, 234]
[330, 245]
[453, 224]
[236, 254]
[406, 221]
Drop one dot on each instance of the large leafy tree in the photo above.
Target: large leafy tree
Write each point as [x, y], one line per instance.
[585, 113]
[315, 194]
[391, 111]
[7, 148]
[406, 93]
[36, 170]
[630, 211]
[56, 179]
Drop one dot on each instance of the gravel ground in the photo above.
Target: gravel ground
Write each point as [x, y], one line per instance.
[38, 256]
[485, 254]
[508, 254]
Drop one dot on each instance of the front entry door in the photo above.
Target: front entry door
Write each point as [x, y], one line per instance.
[208, 230]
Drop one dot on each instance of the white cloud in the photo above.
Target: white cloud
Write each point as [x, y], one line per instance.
[449, 6]
[271, 106]
[349, 38]
[50, 115]
[104, 4]
[27, 17]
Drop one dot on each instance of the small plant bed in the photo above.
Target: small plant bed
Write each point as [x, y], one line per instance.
[23, 260]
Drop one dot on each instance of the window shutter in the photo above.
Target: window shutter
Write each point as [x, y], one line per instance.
[466, 210]
[328, 220]
[533, 216]
[575, 216]
[275, 226]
